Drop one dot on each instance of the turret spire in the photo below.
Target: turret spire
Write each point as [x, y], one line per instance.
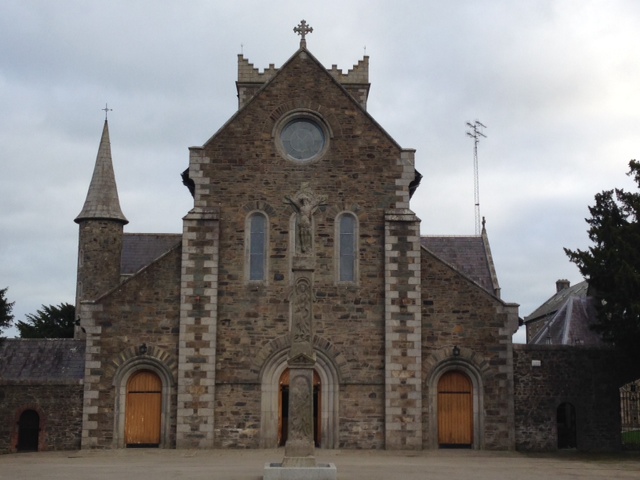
[102, 198]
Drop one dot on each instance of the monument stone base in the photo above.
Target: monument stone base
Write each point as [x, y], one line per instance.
[322, 471]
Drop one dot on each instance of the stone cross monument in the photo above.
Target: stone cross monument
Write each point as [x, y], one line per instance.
[299, 449]
[299, 461]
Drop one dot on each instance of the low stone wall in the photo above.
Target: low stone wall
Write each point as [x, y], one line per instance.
[545, 376]
[58, 406]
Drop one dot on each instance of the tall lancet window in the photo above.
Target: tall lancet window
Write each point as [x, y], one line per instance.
[257, 248]
[347, 248]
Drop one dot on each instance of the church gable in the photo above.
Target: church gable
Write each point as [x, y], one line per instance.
[451, 297]
[301, 128]
[128, 325]
[353, 151]
[468, 330]
[301, 131]
[468, 255]
[300, 176]
[157, 281]
[251, 80]
[139, 250]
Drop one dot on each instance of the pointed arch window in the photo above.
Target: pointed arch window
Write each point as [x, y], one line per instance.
[257, 247]
[347, 248]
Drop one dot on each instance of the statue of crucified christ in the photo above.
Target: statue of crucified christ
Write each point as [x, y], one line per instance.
[305, 203]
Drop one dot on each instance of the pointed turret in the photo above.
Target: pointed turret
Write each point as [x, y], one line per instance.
[102, 201]
[101, 223]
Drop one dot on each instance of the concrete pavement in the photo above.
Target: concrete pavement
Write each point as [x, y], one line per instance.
[154, 464]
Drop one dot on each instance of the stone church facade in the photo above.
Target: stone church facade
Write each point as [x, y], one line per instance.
[301, 181]
[186, 336]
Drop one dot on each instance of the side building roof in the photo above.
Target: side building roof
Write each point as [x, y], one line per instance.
[556, 301]
[141, 249]
[469, 255]
[41, 360]
[566, 318]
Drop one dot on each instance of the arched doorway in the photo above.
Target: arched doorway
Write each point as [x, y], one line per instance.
[143, 410]
[283, 401]
[566, 422]
[455, 410]
[328, 398]
[28, 431]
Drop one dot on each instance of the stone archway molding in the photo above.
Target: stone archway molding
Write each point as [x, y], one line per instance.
[125, 365]
[476, 368]
[330, 377]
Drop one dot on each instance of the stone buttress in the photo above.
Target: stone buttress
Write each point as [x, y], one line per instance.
[403, 336]
[198, 321]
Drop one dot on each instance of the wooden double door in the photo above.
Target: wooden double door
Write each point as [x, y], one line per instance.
[143, 410]
[455, 410]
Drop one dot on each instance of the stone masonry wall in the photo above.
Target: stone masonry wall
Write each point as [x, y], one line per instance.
[237, 416]
[586, 377]
[403, 337]
[198, 328]
[59, 408]
[534, 327]
[457, 312]
[144, 309]
[361, 425]
[242, 170]
[99, 251]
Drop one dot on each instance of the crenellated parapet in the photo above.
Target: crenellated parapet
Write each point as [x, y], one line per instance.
[358, 74]
[356, 80]
[250, 74]
[251, 79]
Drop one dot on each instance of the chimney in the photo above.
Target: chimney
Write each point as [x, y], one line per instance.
[562, 285]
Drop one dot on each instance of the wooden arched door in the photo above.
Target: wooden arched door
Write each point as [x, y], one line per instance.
[283, 408]
[143, 410]
[455, 410]
[28, 431]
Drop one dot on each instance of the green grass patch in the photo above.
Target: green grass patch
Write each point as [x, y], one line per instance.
[631, 438]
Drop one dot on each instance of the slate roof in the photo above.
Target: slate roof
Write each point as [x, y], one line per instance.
[567, 316]
[102, 198]
[557, 300]
[570, 325]
[41, 360]
[141, 249]
[468, 255]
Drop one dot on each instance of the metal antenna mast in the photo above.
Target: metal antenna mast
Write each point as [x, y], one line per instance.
[475, 133]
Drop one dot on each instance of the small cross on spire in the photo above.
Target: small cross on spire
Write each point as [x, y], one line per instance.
[302, 30]
[106, 110]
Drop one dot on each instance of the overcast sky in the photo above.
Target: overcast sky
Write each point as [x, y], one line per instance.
[557, 83]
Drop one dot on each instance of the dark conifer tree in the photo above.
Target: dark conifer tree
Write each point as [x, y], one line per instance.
[612, 264]
[6, 307]
[49, 322]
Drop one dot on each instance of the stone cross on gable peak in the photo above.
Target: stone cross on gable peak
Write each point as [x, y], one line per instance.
[302, 29]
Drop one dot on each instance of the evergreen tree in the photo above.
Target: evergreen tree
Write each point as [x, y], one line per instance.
[6, 308]
[49, 322]
[612, 265]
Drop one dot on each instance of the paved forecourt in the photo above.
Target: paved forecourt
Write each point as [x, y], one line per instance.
[157, 464]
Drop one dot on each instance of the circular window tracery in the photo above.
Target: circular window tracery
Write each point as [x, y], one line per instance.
[302, 138]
